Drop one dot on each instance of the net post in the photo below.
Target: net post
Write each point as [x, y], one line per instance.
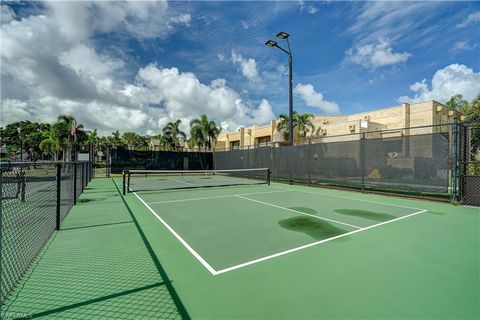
[123, 178]
[74, 183]
[128, 181]
[268, 176]
[59, 184]
[83, 176]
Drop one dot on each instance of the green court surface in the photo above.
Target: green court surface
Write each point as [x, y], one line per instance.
[255, 251]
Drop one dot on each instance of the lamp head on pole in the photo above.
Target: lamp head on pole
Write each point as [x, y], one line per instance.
[271, 43]
[282, 35]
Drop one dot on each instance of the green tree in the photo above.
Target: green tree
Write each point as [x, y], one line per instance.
[51, 144]
[303, 123]
[173, 134]
[458, 103]
[69, 138]
[204, 132]
[472, 114]
[131, 139]
[25, 135]
[116, 140]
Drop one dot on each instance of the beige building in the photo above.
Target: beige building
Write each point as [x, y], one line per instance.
[330, 128]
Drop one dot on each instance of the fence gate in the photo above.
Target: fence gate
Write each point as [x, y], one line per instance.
[470, 164]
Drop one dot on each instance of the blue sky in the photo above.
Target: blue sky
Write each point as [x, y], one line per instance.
[137, 65]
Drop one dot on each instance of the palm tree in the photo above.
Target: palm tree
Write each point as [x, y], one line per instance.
[51, 143]
[173, 133]
[303, 123]
[283, 125]
[69, 134]
[204, 132]
[116, 140]
[165, 142]
[131, 139]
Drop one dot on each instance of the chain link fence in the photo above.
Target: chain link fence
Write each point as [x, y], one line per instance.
[415, 161]
[469, 164]
[35, 198]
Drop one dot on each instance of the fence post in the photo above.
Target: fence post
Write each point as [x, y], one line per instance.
[362, 160]
[83, 176]
[59, 185]
[1, 238]
[74, 183]
[309, 162]
[454, 159]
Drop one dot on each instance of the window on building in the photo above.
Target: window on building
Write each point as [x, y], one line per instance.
[263, 141]
[235, 145]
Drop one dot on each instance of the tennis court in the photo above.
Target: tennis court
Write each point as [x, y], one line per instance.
[232, 244]
[230, 227]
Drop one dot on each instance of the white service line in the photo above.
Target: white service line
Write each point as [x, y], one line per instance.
[296, 211]
[179, 238]
[242, 265]
[353, 199]
[216, 197]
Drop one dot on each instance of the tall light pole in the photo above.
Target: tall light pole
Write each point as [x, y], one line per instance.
[271, 43]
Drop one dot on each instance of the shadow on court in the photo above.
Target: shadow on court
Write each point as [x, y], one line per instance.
[99, 265]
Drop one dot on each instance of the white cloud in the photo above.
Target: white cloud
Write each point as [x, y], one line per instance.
[50, 67]
[373, 56]
[183, 96]
[84, 59]
[394, 20]
[463, 46]
[310, 8]
[315, 99]
[472, 19]
[447, 82]
[78, 20]
[14, 110]
[248, 67]
[6, 14]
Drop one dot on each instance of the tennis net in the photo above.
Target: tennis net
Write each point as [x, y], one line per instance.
[152, 180]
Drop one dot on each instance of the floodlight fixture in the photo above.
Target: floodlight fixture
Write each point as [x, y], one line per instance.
[282, 35]
[271, 43]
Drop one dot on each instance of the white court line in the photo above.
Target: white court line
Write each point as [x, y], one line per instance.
[216, 197]
[242, 265]
[179, 238]
[353, 199]
[245, 264]
[296, 211]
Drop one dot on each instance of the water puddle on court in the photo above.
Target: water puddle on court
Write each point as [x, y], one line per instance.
[315, 228]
